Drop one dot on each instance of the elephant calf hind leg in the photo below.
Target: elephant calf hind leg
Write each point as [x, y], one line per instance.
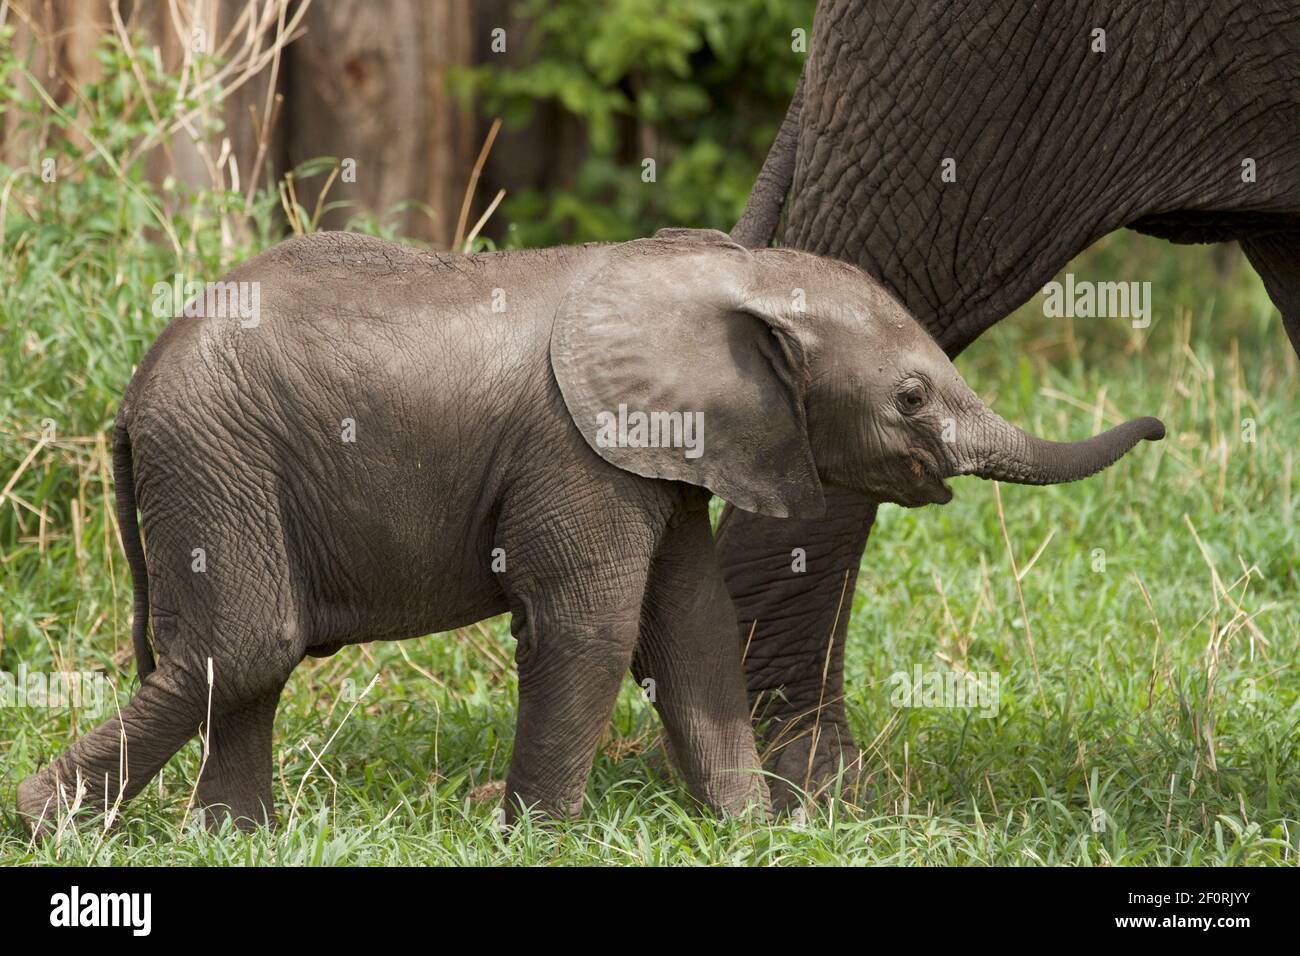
[237, 774]
[115, 760]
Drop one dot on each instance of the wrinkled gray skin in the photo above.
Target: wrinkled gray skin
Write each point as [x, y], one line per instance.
[1055, 146]
[475, 430]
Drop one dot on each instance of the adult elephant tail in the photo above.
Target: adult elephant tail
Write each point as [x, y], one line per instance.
[129, 524]
[757, 225]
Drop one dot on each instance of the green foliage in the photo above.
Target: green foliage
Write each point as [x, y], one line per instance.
[86, 235]
[699, 86]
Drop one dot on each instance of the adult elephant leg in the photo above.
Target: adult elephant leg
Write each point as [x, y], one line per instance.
[793, 613]
[1277, 260]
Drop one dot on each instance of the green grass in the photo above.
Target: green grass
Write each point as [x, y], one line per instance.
[1177, 720]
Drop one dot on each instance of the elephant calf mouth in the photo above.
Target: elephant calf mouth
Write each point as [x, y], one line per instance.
[931, 488]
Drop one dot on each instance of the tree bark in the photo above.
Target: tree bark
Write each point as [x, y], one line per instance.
[62, 35]
[241, 111]
[369, 83]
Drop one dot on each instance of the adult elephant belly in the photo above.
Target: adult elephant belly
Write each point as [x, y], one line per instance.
[962, 154]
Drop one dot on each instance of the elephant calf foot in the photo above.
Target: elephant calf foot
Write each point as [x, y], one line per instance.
[742, 797]
[45, 801]
[38, 805]
[247, 816]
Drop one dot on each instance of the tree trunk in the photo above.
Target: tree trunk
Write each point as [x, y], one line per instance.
[242, 111]
[368, 83]
[62, 35]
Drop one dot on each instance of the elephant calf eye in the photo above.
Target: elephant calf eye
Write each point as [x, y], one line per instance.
[912, 398]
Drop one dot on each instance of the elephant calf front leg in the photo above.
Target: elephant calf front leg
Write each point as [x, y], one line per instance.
[687, 656]
[569, 678]
[575, 602]
[792, 583]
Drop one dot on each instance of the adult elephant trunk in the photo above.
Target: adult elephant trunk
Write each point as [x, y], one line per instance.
[996, 449]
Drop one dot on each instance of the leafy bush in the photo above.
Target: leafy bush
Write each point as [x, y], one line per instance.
[699, 86]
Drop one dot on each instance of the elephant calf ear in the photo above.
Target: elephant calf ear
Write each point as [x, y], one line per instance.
[666, 375]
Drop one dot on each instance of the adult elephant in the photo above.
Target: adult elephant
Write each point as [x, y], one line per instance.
[962, 153]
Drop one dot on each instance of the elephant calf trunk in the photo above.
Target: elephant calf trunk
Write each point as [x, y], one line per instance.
[1015, 456]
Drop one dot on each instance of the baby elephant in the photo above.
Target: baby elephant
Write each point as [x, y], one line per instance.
[406, 442]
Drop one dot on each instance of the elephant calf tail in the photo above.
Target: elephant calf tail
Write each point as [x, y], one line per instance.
[129, 524]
